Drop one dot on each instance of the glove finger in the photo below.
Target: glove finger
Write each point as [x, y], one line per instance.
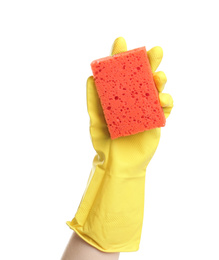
[95, 111]
[119, 45]
[166, 101]
[167, 111]
[160, 80]
[155, 56]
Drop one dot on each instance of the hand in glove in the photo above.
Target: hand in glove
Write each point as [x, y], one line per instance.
[110, 214]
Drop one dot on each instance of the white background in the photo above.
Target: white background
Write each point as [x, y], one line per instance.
[46, 48]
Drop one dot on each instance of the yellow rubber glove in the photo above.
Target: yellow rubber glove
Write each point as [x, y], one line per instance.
[110, 214]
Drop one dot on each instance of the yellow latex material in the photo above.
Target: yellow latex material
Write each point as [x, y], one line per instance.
[110, 214]
[118, 46]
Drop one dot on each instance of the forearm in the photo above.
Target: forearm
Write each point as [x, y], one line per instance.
[78, 249]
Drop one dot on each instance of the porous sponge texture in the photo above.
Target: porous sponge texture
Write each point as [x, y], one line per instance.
[127, 93]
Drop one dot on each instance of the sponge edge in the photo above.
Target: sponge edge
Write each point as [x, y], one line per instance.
[127, 92]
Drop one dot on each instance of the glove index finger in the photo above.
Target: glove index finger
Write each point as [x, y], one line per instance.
[155, 56]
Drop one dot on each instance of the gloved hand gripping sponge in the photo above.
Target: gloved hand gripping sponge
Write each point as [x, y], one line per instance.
[127, 92]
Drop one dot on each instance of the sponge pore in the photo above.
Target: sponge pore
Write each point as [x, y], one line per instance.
[127, 93]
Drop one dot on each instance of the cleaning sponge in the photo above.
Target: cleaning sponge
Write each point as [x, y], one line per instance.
[127, 93]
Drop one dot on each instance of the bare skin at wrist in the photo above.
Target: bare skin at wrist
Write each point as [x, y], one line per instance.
[78, 249]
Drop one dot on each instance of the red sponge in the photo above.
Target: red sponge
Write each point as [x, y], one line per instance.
[127, 92]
